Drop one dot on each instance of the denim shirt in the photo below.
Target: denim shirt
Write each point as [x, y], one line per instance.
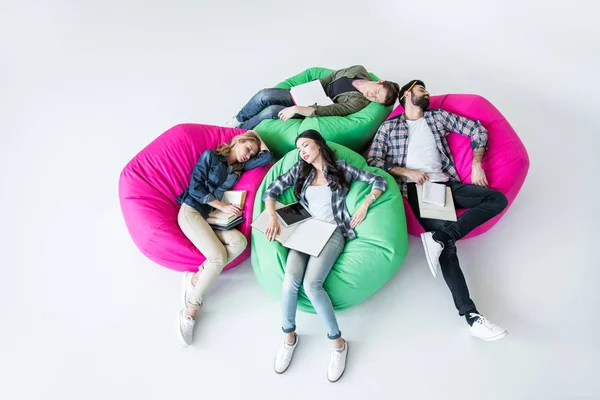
[338, 196]
[212, 177]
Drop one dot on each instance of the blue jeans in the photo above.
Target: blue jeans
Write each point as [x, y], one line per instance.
[265, 104]
[311, 271]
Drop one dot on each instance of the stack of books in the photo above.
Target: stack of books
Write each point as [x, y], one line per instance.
[224, 221]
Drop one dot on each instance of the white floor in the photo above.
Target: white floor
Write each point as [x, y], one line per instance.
[85, 85]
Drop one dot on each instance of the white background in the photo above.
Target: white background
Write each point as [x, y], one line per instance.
[84, 85]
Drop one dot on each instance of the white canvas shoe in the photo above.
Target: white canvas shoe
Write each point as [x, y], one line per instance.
[186, 328]
[233, 123]
[433, 250]
[284, 356]
[484, 329]
[337, 363]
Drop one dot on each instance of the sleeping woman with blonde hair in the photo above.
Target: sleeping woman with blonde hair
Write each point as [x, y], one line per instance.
[215, 172]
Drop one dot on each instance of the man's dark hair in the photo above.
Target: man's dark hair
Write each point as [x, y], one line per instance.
[404, 88]
[392, 89]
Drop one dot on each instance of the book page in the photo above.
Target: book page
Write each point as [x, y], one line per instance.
[310, 236]
[235, 197]
[308, 94]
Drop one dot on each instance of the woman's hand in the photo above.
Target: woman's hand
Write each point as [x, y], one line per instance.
[273, 229]
[231, 209]
[359, 216]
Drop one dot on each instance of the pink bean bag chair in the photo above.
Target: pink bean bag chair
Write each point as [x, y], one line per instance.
[505, 162]
[152, 180]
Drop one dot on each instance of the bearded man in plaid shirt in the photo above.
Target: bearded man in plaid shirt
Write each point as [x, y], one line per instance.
[413, 148]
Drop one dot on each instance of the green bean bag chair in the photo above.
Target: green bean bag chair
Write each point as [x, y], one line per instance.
[355, 131]
[366, 263]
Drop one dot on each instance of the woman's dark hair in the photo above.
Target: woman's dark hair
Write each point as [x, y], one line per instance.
[392, 90]
[411, 85]
[336, 176]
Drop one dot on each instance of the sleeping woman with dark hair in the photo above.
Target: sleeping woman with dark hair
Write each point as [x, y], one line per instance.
[321, 184]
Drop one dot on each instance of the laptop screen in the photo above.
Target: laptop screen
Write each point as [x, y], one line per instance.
[293, 213]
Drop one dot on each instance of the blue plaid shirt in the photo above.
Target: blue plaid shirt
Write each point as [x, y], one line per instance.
[390, 145]
[338, 196]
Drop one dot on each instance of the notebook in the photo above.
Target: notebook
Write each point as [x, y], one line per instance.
[231, 224]
[311, 93]
[434, 193]
[434, 211]
[308, 236]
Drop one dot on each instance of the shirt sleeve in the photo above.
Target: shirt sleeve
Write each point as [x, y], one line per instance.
[261, 159]
[282, 183]
[356, 174]
[464, 126]
[354, 103]
[379, 149]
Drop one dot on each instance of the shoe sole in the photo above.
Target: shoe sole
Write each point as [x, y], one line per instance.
[340, 377]
[286, 368]
[491, 339]
[427, 257]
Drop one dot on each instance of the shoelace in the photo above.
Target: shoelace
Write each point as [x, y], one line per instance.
[286, 351]
[337, 356]
[482, 321]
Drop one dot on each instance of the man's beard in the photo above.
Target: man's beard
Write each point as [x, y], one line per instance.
[421, 102]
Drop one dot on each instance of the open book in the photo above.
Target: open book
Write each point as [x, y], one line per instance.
[430, 210]
[311, 93]
[227, 220]
[308, 236]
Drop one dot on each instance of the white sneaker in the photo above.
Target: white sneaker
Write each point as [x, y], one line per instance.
[284, 356]
[485, 329]
[233, 123]
[186, 328]
[433, 250]
[187, 288]
[337, 363]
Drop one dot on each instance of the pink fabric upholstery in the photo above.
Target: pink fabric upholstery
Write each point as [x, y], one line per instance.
[505, 162]
[153, 179]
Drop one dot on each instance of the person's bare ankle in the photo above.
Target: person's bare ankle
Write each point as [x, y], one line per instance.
[290, 338]
[338, 343]
[191, 312]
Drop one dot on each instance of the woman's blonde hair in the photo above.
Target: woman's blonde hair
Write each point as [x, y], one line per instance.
[225, 148]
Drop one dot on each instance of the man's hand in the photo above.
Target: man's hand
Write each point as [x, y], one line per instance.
[416, 176]
[478, 176]
[287, 113]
